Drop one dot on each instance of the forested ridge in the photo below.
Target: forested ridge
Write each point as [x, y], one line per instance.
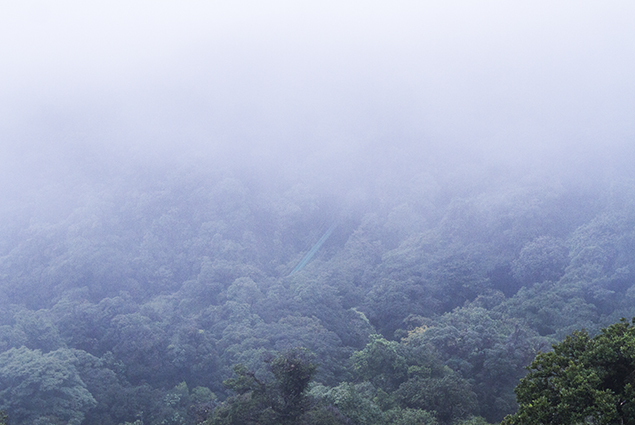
[167, 296]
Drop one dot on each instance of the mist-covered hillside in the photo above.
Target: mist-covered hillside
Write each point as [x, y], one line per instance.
[150, 288]
[333, 213]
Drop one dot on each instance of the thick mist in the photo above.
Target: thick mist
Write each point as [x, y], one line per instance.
[329, 93]
[381, 203]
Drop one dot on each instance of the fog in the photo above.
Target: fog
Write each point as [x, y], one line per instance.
[422, 195]
[326, 87]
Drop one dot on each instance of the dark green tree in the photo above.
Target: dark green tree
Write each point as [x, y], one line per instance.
[43, 387]
[583, 380]
[281, 400]
[544, 258]
[450, 397]
[293, 372]
[381, 362]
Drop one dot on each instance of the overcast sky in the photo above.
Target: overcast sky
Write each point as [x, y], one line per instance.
[280, 82]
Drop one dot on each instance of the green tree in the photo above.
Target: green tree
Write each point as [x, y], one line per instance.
[583, 380]
[281, 400]
[47, 387]
[400, 416]
[487, 349]
[354, 401]
[544, 258]
[451, 397]
[293, 372]
[381, 362]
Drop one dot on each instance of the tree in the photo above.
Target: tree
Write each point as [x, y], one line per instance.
[488, 349]
[281, 400]
[46, 387]
[583, 380]
[293, 372]
[382, 363]
[451, 397]
[544, 258]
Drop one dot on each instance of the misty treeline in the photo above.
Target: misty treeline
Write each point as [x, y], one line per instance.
[167, 296]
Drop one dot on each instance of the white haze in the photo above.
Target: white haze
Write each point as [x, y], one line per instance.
[320, 88]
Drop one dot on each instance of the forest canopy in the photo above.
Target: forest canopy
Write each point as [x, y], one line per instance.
[583, 380]
[171, 297]
[316, 212]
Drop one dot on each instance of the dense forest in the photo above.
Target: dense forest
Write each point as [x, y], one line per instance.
[317, 213]
[211, 295]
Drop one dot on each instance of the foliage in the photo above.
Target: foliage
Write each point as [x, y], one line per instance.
[382, 363]
[35, 386]
[354, 401]
[400, 416]
[450, 397]
[489, 349]
[582, 380]
[544, 258]
[407, 380]
[281, 400]
[146, 291]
